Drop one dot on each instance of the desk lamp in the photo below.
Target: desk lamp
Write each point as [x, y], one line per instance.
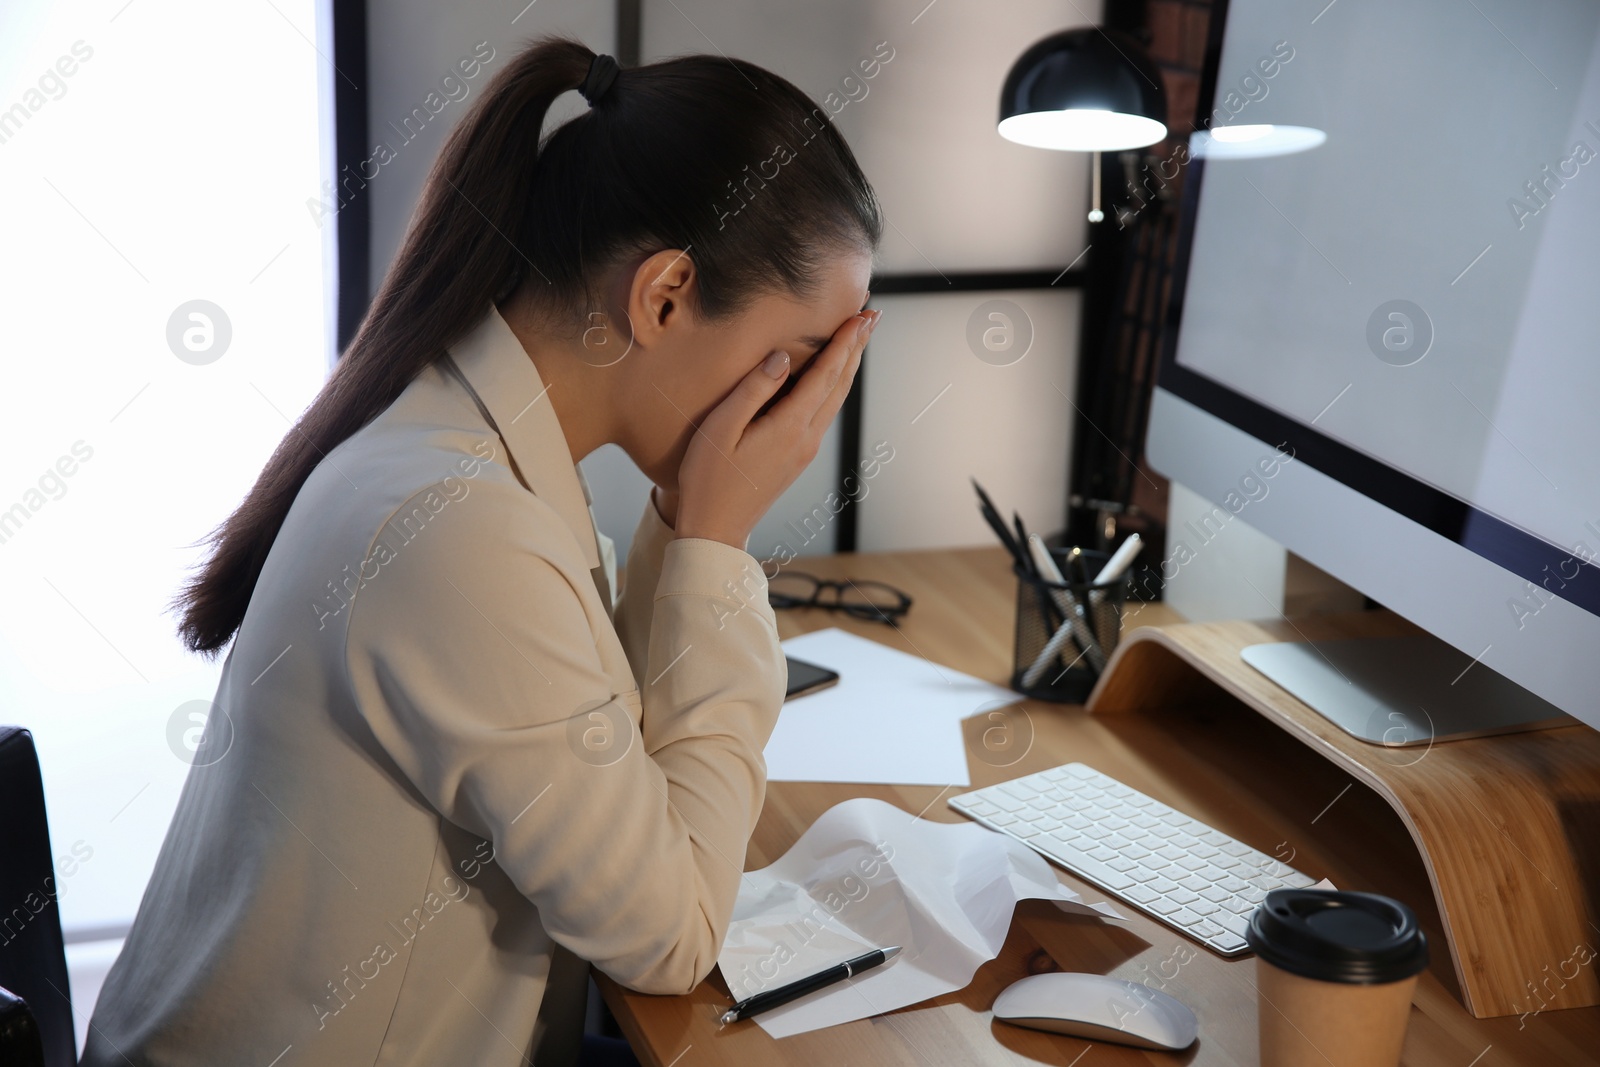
[1092, 89]
[1088, 89]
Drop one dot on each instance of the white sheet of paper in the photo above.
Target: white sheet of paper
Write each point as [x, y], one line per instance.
[893, 717]
[868, 875]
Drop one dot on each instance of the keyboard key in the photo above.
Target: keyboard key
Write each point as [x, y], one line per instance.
[1113, 880]
[1234, 924]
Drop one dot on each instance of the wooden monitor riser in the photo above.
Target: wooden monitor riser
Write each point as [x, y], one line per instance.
[1508, 827]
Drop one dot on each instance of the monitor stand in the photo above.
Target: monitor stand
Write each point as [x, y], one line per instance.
[1401, 691]
[1506, 827]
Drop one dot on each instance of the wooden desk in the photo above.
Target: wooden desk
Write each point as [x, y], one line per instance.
[1260, 785]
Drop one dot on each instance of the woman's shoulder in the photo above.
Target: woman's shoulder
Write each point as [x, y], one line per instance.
[427, 482]
[440, 506]
[455, 483]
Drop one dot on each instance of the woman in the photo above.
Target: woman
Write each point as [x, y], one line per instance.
[447, 768]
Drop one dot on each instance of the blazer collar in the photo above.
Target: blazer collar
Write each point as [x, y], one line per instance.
[508, 387]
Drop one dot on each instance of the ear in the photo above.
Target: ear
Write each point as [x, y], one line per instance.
[659, 294]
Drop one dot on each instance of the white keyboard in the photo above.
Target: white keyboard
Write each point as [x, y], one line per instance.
[1197, 880]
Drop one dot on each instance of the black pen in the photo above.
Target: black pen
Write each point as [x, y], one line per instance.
[998, 525]
[1022, 535]
[797, 989]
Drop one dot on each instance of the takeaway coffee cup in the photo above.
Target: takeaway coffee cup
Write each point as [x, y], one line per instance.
[1335, 971]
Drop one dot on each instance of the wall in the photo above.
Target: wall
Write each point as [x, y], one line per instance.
[411, 46]
[957, 198]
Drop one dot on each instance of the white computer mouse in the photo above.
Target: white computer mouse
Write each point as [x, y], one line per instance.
[1098, 1007]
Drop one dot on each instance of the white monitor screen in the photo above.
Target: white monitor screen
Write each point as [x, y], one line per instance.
[1423, 286]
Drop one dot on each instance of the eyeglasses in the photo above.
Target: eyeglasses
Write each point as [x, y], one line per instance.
[863, 599]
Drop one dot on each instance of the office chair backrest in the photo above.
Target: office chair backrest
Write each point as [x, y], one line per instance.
[19, 1033]
[33, 960]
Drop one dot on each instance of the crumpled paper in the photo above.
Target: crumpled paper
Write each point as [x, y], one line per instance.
[868, 875]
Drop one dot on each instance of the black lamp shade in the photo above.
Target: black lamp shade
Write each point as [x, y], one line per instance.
[1085, 89]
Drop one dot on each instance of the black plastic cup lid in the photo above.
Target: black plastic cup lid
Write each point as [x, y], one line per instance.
[1337, 936]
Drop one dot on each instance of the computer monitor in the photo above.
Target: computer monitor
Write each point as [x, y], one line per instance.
[1389, 267]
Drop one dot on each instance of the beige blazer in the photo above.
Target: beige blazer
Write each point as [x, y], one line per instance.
[443, 770]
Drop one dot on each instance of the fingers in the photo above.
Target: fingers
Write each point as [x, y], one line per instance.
[841, 389]
[827, 370]
[816, 394]
[757, 387]
[836, 398]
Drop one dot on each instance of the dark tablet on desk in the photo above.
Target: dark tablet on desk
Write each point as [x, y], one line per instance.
[807, 678]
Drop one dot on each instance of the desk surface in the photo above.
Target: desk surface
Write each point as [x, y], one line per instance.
[1259, 785]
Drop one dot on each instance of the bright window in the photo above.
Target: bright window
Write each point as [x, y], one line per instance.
[152, 155]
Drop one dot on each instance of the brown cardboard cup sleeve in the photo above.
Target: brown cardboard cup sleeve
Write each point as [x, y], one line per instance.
[1335, 971]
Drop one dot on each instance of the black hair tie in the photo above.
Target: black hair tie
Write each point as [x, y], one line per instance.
[602, 72]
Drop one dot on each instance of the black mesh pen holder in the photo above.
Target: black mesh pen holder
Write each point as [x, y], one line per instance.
[1092, 615]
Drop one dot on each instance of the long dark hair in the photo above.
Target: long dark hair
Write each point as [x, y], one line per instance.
[704, 153]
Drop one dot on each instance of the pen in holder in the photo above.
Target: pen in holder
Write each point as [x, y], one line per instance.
[1065, 630]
